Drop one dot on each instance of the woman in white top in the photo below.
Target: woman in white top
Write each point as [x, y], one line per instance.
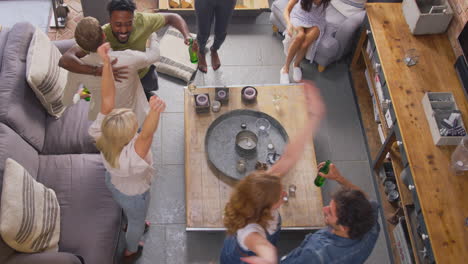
[305, 24]
[126, 153]
[251, 215]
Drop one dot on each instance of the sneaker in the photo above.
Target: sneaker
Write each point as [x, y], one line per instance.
[297, 74]
[284, 77]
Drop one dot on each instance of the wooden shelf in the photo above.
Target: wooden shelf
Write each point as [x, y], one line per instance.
[389, 210]
[440, 192]
[366, 109]
[370, 70]
[242, 6]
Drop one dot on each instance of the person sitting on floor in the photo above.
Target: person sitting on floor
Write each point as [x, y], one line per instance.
[129, 92]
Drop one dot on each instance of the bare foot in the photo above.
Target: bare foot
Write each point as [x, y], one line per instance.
[215, 62]
[202, 66]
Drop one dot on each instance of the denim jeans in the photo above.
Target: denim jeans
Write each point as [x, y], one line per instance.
[135, 208]
[208, 10]
[232, 251]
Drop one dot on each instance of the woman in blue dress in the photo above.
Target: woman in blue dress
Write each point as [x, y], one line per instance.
[305, 25]
[251, 215]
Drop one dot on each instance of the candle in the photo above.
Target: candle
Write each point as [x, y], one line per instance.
[216, 106]
[202, 100]
[249, 93]
[221, 94]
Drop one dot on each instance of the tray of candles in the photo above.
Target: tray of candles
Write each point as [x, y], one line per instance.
[238, 141]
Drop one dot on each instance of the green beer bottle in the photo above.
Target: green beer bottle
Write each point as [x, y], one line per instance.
[86, 91]
[192, 53]
[319, 180]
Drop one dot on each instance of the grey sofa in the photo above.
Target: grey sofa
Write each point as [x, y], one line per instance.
[338, 35]
[60, 154]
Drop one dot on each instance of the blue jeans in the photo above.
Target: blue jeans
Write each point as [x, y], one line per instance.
[135, 208]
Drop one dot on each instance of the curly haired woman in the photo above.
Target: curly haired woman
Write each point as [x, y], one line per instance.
[251, 216]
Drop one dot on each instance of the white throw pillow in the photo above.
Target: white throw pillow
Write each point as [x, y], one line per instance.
[29, 213]
[348, 7]
[44, 75]
[175, 59]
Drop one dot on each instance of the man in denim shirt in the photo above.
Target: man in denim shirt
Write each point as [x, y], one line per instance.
[351, 233]
[352, 228]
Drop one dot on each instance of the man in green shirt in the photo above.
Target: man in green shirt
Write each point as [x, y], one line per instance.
[127, 30]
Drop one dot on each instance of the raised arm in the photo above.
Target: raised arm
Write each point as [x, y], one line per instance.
[144, 59]
[265, 251]
[71, 61]
[179, 23]
[145, 138]
[107, 82]
[295, 148]
[286, 14]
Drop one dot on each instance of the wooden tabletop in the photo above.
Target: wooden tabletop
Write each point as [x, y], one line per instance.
[443, 195]
[207, 190]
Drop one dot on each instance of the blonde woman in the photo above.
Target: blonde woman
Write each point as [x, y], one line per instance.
[126, 154]
[251, 215]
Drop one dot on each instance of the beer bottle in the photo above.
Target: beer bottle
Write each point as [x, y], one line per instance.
[86, 91]
[319, 180]
[192, 53]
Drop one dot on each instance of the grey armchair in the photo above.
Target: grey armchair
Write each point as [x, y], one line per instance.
[339, 31]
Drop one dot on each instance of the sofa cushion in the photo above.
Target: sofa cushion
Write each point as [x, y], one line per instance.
[30, 212]
[348, 7]
[44, 76]
[20, 109]
[91, 219]
[3, 38]
[69, 134]
[172, 61]
[13, 146]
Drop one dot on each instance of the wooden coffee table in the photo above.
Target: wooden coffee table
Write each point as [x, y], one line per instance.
[207, 191]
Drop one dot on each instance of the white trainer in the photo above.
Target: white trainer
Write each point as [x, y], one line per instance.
[284, 77]
[297, 74]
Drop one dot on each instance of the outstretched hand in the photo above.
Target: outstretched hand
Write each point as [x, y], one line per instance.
[103, 52]
[333, 172]
[157, 104]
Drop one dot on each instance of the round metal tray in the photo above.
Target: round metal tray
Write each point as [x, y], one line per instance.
[221, 136]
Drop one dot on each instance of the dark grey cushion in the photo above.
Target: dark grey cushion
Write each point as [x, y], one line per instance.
[64, 45]
[13, 146]
[20, 109]
[44, 258]
[69, 134]
[90, 218]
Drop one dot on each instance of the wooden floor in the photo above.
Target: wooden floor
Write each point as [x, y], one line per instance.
[207, 190]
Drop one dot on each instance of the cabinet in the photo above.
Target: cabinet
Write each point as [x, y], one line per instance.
[431, 213]
[186, 7]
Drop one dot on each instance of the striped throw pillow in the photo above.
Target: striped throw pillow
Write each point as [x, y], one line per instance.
[29, 212]
[174, 59]
[44, 75]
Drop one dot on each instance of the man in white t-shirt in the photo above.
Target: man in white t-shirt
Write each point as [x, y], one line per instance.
[129, 92]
